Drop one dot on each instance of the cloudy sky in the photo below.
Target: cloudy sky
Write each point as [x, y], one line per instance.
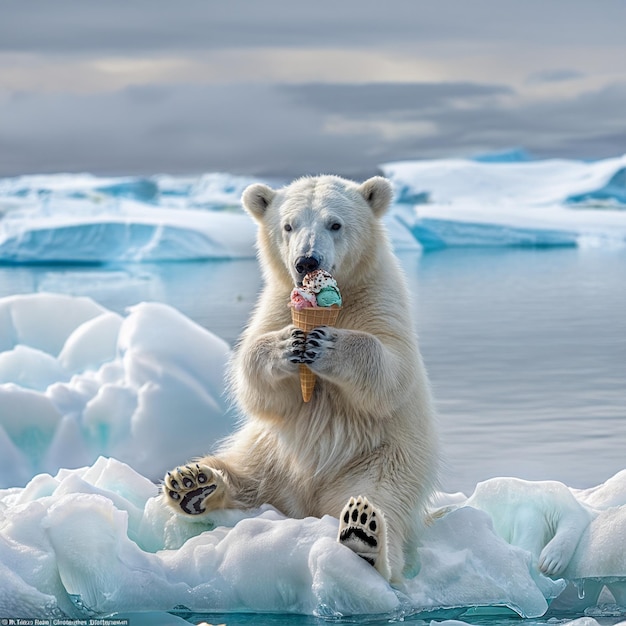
[283, 87]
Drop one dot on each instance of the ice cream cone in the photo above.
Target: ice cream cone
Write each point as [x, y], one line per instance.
[307, 319]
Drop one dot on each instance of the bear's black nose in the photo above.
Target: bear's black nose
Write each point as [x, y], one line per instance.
[306, 264]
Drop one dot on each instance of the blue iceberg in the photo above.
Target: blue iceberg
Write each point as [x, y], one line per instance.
[513, 202]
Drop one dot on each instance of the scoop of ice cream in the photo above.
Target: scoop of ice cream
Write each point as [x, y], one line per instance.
[319, 289]
[328, 296]
[317, 280]
[302, 298]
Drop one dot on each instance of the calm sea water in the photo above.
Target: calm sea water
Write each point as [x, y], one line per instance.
[526, 348]
[526, 351]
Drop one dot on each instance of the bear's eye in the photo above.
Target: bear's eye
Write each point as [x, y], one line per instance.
[335, 226]
[288, 227]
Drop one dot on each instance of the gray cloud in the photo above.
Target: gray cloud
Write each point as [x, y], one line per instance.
[259, 129]
[452, 79]
[389, 98]
[154, 25]
[554, 76]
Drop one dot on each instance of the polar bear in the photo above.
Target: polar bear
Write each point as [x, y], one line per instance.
[364, 449]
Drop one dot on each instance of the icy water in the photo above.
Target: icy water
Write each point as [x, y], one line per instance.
[526, 350]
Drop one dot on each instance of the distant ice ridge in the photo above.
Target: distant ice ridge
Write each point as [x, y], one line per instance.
[500, 201]
[87, 219]
[81, 534]
[514, 202]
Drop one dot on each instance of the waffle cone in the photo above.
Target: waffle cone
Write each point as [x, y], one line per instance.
[306, 320]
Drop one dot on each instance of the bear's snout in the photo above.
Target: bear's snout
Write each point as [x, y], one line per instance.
[306, 264]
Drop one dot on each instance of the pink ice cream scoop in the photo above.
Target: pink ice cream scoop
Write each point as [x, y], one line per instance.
[302, 299]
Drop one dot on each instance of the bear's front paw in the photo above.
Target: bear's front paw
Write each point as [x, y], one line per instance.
[193, 489]
[318, 342]
[293, 349]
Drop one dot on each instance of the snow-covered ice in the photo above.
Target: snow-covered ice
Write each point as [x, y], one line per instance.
[126, 397]
[86, 219]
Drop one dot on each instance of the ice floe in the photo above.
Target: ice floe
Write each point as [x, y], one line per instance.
[99, 540]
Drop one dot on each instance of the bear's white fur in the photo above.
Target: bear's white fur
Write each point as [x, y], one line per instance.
[368, 429]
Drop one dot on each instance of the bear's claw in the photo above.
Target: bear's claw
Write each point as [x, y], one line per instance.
[187, 488]
[295, 350]
[317, 342]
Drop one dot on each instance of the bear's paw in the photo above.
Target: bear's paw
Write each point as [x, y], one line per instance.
[362, 529]
[294, 346]
[318, 342]
[190, 489]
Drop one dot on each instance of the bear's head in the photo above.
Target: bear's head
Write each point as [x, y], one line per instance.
[321, 222]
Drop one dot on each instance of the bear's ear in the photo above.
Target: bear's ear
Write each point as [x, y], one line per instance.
[377, 192]
[256, 198]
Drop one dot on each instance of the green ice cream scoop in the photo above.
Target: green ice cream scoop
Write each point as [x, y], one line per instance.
[328, 296]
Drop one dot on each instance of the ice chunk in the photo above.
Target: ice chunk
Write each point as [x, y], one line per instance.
[564, 535]
[43, 321]
[92, 343]
[101, 383]
[29, 418]
[31, 368]
[463, 563]
[543, 518]
[608, 494]
[100, 538]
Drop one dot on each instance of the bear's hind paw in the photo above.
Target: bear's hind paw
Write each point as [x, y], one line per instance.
[362, 529]
[189, 489]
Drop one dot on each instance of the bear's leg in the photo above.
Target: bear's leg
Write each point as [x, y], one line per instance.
[196, 489]
[363, 529]
[411, 554]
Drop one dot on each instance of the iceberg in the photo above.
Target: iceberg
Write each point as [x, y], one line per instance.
[96, 406]
[513, 202]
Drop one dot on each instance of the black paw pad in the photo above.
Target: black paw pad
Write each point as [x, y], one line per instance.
[358, 533]
[192, 502]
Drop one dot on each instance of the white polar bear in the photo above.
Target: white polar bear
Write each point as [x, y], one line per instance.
[369, 427]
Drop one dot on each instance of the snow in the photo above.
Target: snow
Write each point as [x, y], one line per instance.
[500, 201]
[95, 406]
